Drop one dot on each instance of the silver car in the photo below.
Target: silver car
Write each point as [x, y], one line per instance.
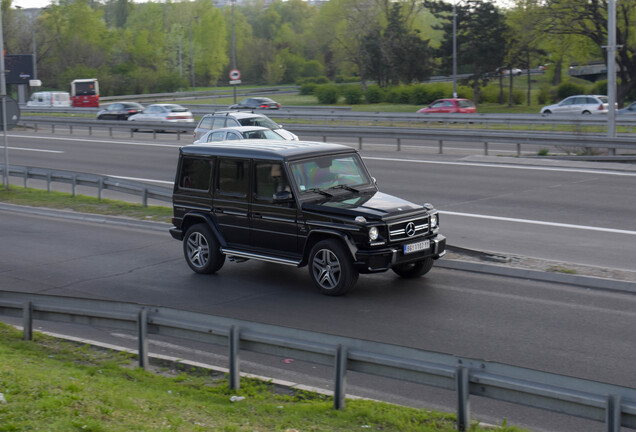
[172, 113]
[224, 119]
[239, 133]
[579, 104]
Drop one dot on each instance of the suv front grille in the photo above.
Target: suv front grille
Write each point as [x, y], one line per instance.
[408, 229]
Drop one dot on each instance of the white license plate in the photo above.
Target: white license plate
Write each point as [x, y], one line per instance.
[416, 247]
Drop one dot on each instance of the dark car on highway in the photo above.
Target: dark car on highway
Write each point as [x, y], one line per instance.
[120, 111]
[256, 103]
[298, 203]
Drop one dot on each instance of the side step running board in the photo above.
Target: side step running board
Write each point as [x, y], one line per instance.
[260, 257]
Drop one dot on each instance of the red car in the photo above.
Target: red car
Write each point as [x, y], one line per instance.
[449, 106]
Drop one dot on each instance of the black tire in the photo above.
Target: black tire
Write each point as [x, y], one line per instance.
[201, 250]
[331, 268]
[586, 112]
[414, 269]
[547, 112]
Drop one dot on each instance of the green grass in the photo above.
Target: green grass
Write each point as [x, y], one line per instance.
[57, 386]
[81, 203]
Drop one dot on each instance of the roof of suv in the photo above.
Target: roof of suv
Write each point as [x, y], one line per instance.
[237, 114]
[265, 149]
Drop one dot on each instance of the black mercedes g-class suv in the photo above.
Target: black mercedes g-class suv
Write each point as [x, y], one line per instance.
[297, 203]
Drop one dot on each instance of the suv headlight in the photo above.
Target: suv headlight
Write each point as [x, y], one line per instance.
[433, 221]
[373, 233]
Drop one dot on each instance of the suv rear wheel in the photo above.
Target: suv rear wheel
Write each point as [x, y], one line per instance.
[201, 250]
[413, 270]
[331, 268]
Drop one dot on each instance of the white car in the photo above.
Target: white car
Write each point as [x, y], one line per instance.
[579, 104]
[164, 113]
[239, 133]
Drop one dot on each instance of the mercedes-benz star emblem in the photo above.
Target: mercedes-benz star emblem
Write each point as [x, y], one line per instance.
[410, 229]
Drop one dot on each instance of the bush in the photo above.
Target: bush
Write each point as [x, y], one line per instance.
[568, 88]
[353, 94]
[327, 94]
[600, 88]
[399, 95]
[307, 89]
[374, 94]
[420, 95]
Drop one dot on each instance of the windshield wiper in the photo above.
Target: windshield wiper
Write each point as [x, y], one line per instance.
[320, 191]
[347, 187]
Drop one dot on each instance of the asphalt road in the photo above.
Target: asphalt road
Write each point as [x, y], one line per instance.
[550, 327]
[566, 211]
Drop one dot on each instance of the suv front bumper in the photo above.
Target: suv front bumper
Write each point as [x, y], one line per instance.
[379, 260]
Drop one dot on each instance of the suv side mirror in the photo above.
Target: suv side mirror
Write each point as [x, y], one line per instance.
[283, 196]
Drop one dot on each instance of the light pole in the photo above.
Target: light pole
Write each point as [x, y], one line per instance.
[3, 95]
[455, 48]
[233, 48]
[611, 68]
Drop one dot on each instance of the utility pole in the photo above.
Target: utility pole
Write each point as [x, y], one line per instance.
[611, 68]
[3, 96]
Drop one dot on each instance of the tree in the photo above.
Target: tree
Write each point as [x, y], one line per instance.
[481, 44]
[588, 19]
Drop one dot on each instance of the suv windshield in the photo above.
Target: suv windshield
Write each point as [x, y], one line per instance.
[258, 121]
[328, 172]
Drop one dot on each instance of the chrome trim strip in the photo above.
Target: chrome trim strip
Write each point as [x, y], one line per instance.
[260, 257]
[278, 219]
[191, 207]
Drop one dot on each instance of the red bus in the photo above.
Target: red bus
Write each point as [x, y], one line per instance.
[85, 92]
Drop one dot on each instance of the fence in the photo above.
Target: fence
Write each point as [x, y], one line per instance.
[102, 183]
[611, 404]
[518, 139]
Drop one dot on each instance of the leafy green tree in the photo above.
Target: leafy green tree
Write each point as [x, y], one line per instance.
[481, 43]
[589, 20]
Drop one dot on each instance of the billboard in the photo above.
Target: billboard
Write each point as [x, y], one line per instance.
[19, 68]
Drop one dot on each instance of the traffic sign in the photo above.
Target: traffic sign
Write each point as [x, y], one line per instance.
[235, 75]
[234, 82]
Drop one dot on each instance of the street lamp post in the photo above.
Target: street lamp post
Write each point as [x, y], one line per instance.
[455, 49]
[233, 48]
[611, 68]
[3, 96]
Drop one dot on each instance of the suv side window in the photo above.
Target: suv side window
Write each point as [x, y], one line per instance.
[232, 122]
[270, 179]
[206, 122]
[195, 174]
[233, 175]
[219, 122]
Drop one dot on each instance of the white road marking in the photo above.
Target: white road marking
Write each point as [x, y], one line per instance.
[48, 138]
[35, 150]
[510, 166]
[534, 222]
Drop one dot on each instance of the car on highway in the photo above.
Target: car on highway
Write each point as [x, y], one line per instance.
[452, 105]
[628, 110]
[256, 103]
[579, 104]
[222, 119]
[172, 113]
[239, 133]
[303, 204]
[515, 71]
[119, 111]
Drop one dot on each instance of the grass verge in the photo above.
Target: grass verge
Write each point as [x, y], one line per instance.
[82, 203]
[57, 386]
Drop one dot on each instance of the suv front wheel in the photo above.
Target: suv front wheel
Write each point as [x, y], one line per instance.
[331, 269]
[201, 250]
[413, 270]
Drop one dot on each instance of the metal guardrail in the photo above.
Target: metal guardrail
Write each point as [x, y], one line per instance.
[614, 405]
[395, 134]
[99, 182]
